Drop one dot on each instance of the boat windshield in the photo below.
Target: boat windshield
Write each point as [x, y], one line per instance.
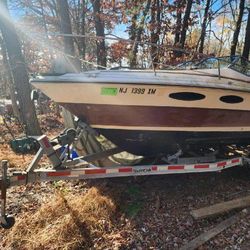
[241, 65]
[234, 62]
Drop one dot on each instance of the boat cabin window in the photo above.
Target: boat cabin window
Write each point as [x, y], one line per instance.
[232, 99]
[186, 96]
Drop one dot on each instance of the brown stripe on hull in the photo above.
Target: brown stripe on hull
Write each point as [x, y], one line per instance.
[119, 115]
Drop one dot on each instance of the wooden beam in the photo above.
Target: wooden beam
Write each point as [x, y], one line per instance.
[204, 237]
[221, 207]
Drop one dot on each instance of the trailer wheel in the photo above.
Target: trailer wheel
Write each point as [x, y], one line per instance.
[10, 222]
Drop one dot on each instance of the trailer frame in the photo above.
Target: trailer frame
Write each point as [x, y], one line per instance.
[65, 168]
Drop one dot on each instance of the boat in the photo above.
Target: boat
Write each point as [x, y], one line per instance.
[153, 112]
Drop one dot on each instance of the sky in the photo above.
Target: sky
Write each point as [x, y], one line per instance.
[120, 30]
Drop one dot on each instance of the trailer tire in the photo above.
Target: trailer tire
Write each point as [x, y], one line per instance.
[10, 222]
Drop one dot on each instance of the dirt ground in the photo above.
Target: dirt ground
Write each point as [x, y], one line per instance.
[127, 213]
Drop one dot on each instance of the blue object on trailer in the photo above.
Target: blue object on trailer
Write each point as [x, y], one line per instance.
[73, 154]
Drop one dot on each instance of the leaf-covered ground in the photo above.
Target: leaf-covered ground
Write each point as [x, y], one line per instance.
[127, 213]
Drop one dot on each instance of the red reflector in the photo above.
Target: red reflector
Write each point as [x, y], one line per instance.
[125, 170]
[235, 160]
[222, 164]
[154, 168]
[95, 171]
[175, 167]
[201, 166]
[58, 173]
[46, 142]
[21, 177]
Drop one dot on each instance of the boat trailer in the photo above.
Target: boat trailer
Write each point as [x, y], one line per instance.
[64, 167]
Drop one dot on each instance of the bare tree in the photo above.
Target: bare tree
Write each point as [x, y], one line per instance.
[155, 30]
[179, 6]
[132, 36]
[237, 28]
[72, 63]
[204, 25]
[9, 78]
[65, 26]
[185, 22]
[99, 27]
[82, 42]
[139, 34]
[19, 72]
[247, 38]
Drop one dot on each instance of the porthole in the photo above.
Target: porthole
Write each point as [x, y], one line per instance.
[187, 96]
[232, 99]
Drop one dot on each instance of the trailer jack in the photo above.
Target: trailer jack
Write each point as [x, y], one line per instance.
[5, 221]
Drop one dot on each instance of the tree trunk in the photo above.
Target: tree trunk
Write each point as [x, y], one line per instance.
[65, 26]
[222, 34]
[11, 86]
[82, 42]
[138, 35]
[43, 17]
[19, 72]
[237, 29]
[155, 33]
[246, 48]
[99, 27]
[78, 17]
[204, 25]
[132, 34]
[178, 22]
[132, 31]
[71, 64]
[185, 23]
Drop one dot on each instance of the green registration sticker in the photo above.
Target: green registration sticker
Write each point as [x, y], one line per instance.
[109, 91]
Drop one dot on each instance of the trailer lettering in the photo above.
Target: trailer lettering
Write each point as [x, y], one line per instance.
[142, 170]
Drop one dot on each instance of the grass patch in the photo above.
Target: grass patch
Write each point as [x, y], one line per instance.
[66, 222]
[134, 203]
